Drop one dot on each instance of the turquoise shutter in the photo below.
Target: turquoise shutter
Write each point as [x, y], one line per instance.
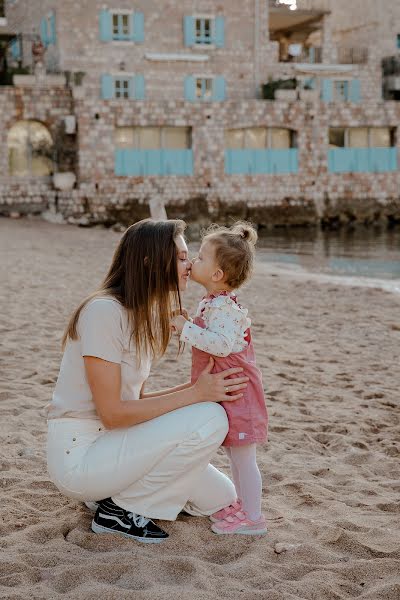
[188, 31]
[219, 32]
[139, 87]
[219, 89]
[43, 31]
[190, 88]
[138, 27]
[16, 48]
[107, 87]
[52, 39]
[105, 26]
[327, 90]
[355, 90]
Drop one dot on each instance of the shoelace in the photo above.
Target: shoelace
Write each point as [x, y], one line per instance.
[139, 520]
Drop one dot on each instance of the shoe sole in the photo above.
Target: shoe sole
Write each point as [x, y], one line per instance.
[242, 532]
[100, 529]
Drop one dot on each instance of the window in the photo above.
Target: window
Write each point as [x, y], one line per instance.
[121, 87]
[198, 88]
[203, 31]
[361, 137]
[398, 40]
[121, 29]
[341, 91]
[141, 151]
[121, 25]
[153, 138]
[259, 138]
[204, 89]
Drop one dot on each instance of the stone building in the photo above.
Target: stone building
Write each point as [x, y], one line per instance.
[236, 108]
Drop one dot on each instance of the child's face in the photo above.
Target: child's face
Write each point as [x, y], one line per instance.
[204, 266]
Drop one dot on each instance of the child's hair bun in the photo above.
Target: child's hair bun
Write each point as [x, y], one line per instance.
[246, 231]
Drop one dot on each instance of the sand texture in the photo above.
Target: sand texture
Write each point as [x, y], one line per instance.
[331, 471]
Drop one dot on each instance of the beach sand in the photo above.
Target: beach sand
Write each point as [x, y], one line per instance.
[330, 359]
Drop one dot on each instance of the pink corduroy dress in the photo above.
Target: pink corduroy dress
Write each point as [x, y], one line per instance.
[248, 416]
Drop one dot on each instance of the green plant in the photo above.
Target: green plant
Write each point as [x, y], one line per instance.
[268, 89]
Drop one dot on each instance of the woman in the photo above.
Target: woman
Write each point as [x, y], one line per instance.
[141, 456]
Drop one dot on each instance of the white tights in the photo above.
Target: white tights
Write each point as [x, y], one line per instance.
[247, 478]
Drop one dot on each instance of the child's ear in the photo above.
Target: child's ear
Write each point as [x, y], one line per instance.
[218, 275]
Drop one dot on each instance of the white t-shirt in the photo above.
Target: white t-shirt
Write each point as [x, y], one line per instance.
[103, 332]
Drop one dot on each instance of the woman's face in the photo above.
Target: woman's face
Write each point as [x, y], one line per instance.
[184, 264]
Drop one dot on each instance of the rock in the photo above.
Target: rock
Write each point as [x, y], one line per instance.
[281, 547]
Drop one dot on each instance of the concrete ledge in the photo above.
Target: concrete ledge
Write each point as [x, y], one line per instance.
[33, 81]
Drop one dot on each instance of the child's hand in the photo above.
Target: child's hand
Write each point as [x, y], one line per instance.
[183, 312]
[177, 324]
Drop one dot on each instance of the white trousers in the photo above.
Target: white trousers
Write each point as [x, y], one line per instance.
[154, 469]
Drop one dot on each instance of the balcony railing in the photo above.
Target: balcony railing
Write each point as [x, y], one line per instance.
[308, 55]
[352, 56]
[345, 56]
[321, 5]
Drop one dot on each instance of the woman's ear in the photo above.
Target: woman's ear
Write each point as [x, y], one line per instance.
[146, 261]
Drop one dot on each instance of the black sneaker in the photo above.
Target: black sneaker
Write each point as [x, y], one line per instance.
[110, 518]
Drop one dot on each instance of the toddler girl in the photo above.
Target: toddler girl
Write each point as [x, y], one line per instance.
[221, 329]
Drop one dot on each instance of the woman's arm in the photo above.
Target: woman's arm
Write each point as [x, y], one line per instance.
[177, 388]
[104, 379]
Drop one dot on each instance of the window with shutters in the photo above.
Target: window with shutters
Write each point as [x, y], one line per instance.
[362, 150]
[141, 151]
[204, 30]
[121, 26]
[260, 151]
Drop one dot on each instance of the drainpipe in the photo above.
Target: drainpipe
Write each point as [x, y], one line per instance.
[256, 44]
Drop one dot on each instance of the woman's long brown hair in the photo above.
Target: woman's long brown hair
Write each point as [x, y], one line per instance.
[143, 277]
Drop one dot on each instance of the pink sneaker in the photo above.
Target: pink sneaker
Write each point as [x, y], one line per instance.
[240, 523]
[225, 512]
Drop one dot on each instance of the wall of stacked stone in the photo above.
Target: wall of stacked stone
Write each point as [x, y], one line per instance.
[308, 196]
[47, 105]
[311, 195]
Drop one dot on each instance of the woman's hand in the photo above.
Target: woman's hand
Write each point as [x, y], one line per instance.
[216, 387]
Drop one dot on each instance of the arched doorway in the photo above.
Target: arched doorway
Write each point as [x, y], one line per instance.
[30, 150]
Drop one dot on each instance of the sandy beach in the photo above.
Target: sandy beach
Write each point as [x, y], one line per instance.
[330, 357]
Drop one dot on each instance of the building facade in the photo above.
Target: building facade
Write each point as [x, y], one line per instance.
[236, 108]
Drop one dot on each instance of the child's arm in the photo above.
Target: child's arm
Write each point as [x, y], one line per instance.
[225, 324]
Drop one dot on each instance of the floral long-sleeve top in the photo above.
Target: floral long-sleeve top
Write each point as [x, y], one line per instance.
[226, 325]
